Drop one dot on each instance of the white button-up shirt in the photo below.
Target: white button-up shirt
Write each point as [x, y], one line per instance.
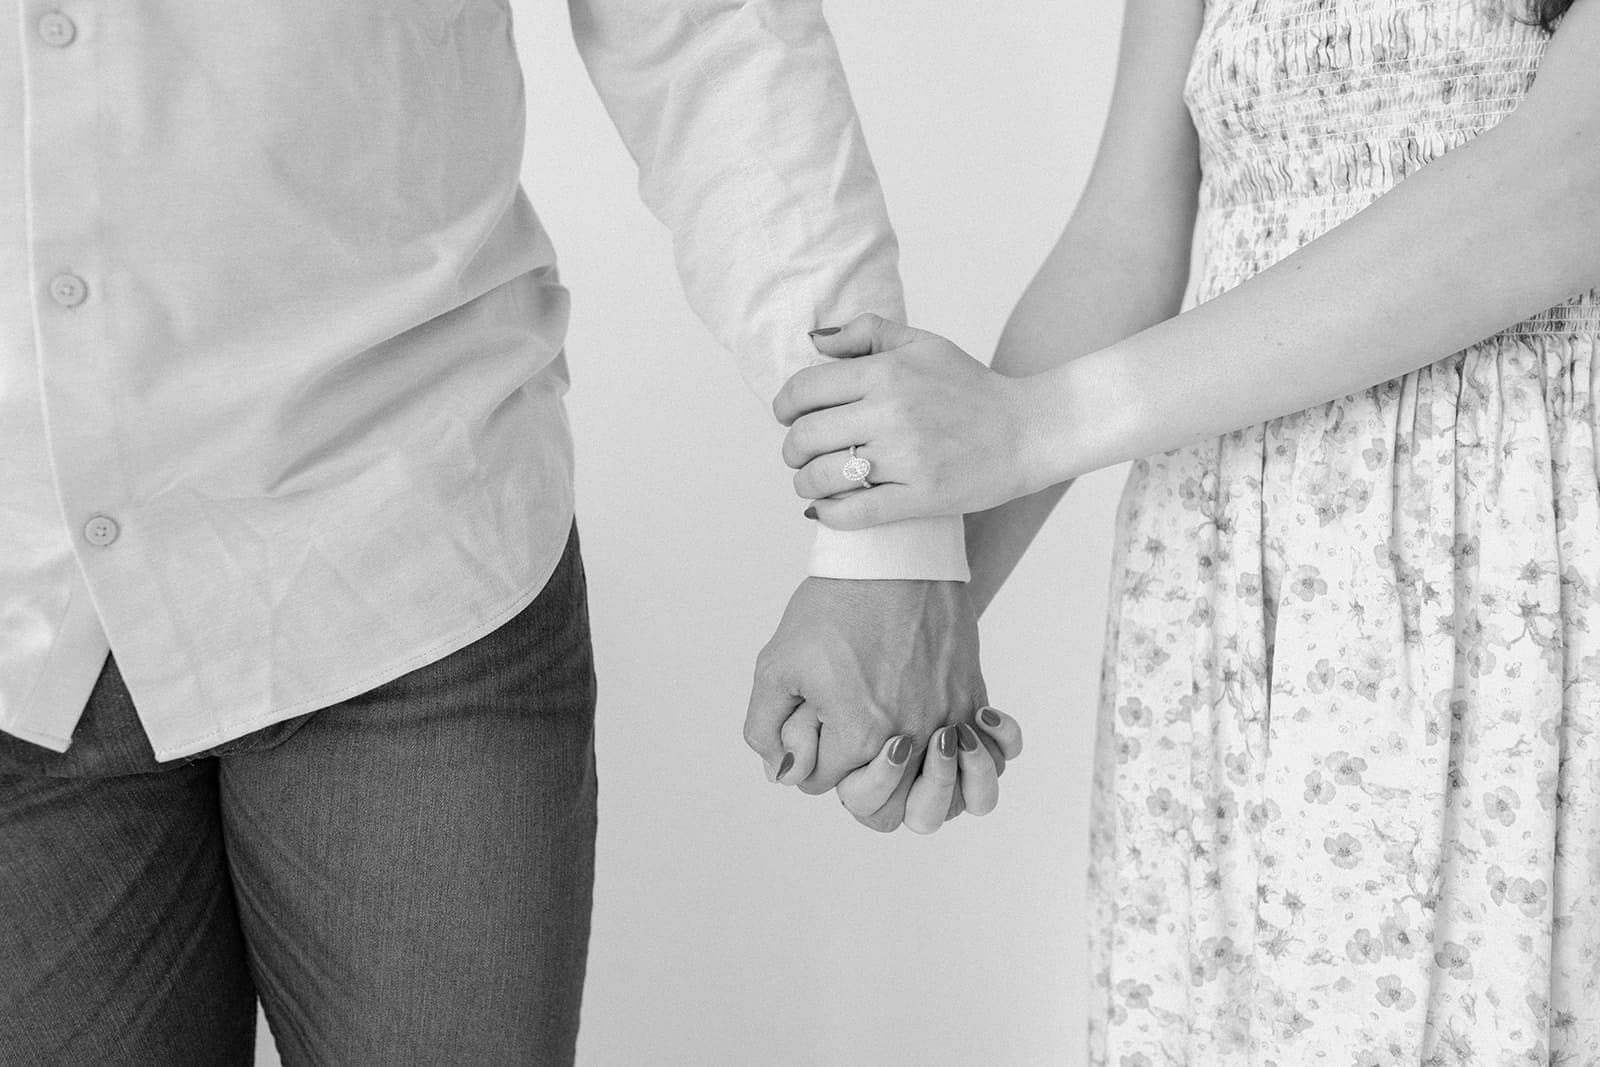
[281, 336]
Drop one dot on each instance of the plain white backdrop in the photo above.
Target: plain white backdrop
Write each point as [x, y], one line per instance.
[736, 922]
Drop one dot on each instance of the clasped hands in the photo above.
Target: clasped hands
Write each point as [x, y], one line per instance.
[873, 688]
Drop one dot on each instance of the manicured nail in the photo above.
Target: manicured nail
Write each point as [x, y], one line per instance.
[900, 751]
[989, 716]
[947, 742]
[825, 331]
[783, 768]
[810, 513]
[968, 737]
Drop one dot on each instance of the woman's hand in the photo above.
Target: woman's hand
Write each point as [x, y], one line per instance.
[943, 433]
[960, 770]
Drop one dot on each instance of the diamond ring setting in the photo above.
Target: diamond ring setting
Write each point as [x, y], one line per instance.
[857, 468]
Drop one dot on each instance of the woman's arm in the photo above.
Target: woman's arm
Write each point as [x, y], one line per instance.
[1120, 264]
[1484, 237]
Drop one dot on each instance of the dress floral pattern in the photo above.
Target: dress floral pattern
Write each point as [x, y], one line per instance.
[1347, 787]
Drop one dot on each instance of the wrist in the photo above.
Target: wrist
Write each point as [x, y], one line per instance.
[1077, 418]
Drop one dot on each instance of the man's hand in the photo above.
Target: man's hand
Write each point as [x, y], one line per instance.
[854, 663]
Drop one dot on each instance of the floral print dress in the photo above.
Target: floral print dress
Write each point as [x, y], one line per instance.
[1347, 788]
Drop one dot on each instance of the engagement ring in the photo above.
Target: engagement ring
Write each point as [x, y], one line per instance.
[856, 468]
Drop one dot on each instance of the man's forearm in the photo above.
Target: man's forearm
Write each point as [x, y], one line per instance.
[750, 150]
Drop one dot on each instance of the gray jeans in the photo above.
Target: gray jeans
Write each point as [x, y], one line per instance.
[403, 878]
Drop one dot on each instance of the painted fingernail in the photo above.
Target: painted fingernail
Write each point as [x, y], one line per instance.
[825, 331]
[968, 737]
[989, 716]
[900, 751]
[810, 513]
[783, 768]
[947, 742]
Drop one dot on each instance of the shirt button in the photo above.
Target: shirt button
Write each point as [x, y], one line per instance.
[68, 290]
[56, 29]
[100, 531]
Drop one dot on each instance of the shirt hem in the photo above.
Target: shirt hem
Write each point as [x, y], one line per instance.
[53, 742]
[78, 636]
[454, 643]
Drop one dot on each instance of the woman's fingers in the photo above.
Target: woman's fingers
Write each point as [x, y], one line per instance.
[958, 804]
[822, 385]
[800, 735]
[821, 432]
[929, 802]
[864, 335]
[980, 778]
[1003, 729]
[869, 507]
[960, 772]
[864, 791]
[890, 817]
[825, 476]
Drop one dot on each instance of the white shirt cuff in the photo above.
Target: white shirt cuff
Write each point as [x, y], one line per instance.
[930, 549]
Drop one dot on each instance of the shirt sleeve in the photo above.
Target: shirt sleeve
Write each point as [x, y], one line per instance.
[750, 151]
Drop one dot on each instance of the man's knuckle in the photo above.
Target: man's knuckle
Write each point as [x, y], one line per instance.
[769, 668]
[854, 733]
